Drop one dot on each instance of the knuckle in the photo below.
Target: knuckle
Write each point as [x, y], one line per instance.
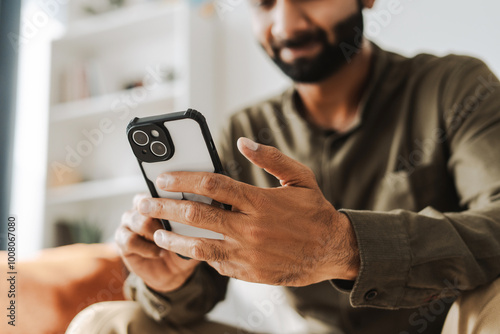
[225, 269]
[213, 216]
[198, 250]
[125, 217]
[309, 174]
[191, 211]
[209, 183]
[275, 154]
[308, 171]
[137, 199]
[222, 269]
[136, 219]
[218, 254]
[209, 252]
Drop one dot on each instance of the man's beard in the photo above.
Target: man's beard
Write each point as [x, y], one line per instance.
[331, 58]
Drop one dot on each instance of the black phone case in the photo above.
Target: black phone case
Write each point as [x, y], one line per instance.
[170, 119]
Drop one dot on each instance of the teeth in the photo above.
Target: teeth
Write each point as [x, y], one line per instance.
[286, 54]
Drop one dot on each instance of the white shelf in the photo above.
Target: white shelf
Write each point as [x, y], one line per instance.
[121, 25]
[98, 189]
[104, 103]
[120, 46]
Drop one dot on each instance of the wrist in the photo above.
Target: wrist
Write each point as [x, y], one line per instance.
[352, 261]
[343, 253]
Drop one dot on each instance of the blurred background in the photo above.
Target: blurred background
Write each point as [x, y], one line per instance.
[74, 72]
[86, 67]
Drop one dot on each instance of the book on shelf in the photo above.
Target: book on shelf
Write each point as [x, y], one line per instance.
[82, 80]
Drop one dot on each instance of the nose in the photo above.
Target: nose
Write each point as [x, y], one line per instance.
[289, 19]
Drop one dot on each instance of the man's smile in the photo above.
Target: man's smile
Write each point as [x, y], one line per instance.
[306, 50]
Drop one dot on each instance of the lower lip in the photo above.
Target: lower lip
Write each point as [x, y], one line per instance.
[306, 51]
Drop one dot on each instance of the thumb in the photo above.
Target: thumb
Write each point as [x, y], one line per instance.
[287, 170]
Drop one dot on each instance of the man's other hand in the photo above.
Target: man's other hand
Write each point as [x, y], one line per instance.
[160, 269]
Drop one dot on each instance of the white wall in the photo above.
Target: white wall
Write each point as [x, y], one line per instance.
[439, 27]
[245, 72]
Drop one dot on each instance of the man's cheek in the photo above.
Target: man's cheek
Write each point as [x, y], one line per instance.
[266, 46]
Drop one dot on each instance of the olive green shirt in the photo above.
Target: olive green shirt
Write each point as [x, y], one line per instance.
[419, 177]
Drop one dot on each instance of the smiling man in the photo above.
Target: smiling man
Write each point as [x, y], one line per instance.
[370, 189]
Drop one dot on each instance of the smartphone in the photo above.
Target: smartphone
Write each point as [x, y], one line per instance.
[178, 141]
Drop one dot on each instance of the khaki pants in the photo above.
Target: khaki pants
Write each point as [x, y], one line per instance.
[474, 312]
[127, 317]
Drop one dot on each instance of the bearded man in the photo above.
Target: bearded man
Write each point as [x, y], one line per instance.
[370, 189]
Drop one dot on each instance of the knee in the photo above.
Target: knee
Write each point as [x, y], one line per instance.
[105, 318]
[475, 311]
[488, 320]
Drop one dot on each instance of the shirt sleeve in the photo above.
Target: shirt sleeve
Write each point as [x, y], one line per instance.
[411, 258]
[188, 304]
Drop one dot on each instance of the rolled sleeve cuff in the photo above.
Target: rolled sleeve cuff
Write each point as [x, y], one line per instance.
[385, 256]
[159, 305]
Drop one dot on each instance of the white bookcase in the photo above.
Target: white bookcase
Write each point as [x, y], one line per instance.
[169, 47]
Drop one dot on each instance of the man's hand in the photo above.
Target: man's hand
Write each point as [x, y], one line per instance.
[160, 269]
[290, 235]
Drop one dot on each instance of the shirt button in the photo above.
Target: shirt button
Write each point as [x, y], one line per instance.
[371, 295]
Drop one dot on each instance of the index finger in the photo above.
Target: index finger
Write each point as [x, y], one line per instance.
[216, 186]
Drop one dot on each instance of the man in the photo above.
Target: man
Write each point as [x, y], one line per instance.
[379, 209]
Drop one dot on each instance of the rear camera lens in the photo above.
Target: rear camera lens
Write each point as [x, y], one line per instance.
[140, 138]
[158, 148]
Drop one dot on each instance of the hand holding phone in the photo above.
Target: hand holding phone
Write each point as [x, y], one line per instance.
[161, 270]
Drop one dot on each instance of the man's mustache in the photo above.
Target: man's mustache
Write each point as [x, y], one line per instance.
[299, 40]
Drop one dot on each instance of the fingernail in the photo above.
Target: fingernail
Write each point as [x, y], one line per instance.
[159, 237]
[146, 206]
[250, 144]
[162, 181]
